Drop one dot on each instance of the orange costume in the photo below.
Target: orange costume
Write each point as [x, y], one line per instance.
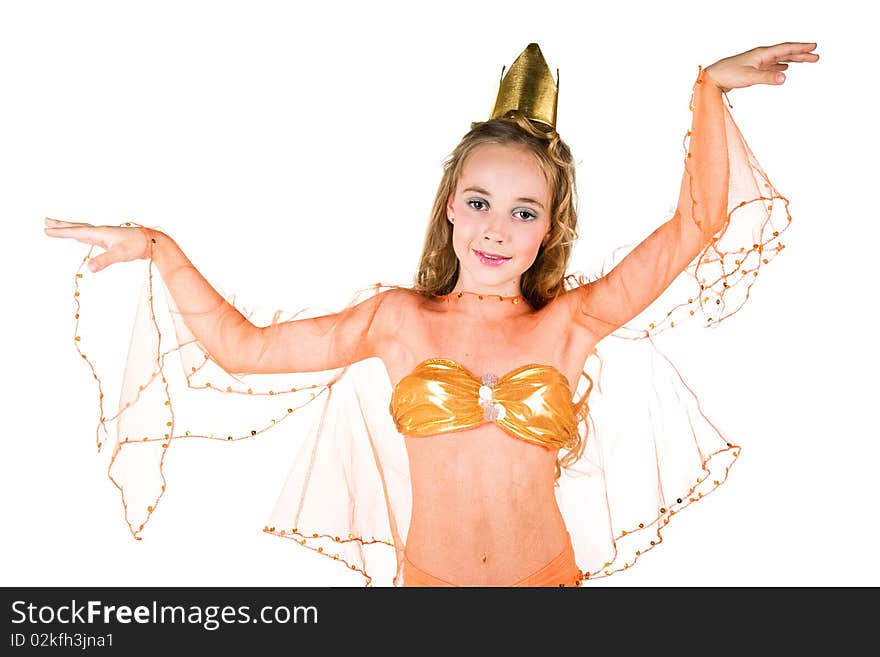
[650, 451]
[531, 403]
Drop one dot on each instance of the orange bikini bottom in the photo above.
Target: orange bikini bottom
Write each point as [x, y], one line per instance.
[562, 570]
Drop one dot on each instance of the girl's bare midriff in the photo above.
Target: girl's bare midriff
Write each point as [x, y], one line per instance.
[484, 507]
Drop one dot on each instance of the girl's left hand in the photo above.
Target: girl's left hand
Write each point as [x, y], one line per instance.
[762, 65]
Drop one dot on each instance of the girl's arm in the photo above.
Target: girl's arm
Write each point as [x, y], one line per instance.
[229, 338]
[240, 347]
[318, 343]
[719, 168]
[609, 302]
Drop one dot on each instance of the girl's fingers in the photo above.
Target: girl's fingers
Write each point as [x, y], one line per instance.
[56, 223]
[791, 52]
[803, 57]
[84, 234]
[63, 231]
[792, 47]
[774, 58]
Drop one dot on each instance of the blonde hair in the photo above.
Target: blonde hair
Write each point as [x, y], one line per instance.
[438, 266]
[545, 279]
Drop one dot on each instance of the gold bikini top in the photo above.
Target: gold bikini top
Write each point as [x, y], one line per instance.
[532, 402]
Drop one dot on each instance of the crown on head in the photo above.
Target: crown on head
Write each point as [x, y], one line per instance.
[529, 88]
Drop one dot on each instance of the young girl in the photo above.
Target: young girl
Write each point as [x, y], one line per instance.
[468, 451]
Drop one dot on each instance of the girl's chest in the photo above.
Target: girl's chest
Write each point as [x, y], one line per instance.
[489, 348]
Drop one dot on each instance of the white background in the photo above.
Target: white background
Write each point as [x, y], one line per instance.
[293, 153]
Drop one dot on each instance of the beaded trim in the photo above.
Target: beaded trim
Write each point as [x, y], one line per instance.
[481, 297]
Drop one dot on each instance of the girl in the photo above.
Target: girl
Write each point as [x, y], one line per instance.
[493, 482]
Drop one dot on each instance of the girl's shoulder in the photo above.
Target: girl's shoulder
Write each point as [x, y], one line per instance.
[409, 298]
[402, 297]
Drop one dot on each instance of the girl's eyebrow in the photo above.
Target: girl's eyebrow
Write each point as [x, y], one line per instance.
[523, 199]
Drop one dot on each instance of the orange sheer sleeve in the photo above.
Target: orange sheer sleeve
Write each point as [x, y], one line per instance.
[723, 231]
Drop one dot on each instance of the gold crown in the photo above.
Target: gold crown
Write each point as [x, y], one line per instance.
[529, 88]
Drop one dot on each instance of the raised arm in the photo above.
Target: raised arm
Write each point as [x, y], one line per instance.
[716, 159]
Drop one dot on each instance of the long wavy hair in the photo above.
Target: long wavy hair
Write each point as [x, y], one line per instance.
[439, 267]
[545, 279]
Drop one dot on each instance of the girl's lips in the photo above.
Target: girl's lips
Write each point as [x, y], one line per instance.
[491, 261]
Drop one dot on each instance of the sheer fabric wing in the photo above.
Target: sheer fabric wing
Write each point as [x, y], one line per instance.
[351, 470]
[651, 450]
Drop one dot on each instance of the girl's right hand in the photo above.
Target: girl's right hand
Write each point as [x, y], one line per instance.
[121, 243]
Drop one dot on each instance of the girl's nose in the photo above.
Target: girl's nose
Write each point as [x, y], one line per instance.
[494, 229]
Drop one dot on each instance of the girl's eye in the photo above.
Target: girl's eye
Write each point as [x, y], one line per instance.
[529, 216]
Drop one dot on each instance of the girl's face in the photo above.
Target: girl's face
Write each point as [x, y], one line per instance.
[500, 213]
